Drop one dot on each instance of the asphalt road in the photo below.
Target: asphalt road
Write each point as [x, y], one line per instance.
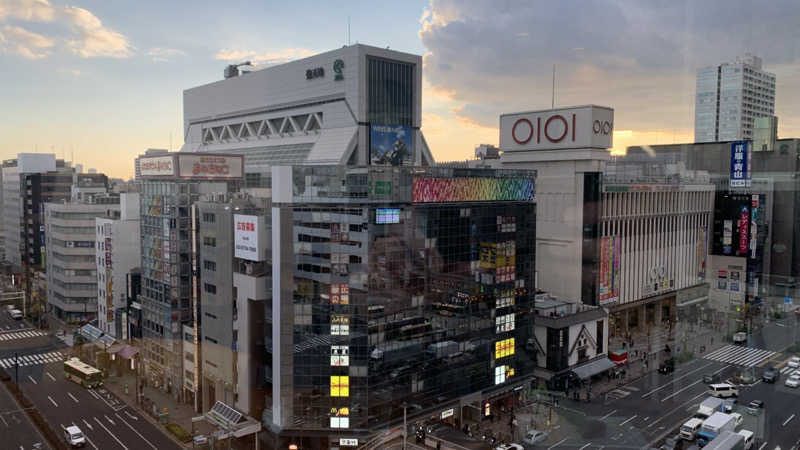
[17, 431]
[107, 422]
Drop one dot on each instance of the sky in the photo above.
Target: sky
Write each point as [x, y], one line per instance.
[98, 82]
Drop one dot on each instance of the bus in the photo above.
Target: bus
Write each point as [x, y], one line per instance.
[82, 373]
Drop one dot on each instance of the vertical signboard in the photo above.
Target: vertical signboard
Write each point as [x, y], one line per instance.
[702, 248]
[390, 145]
[249, 237]
[740, 164]
[609, 269]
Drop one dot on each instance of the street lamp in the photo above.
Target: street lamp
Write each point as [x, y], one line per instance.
[405, 425]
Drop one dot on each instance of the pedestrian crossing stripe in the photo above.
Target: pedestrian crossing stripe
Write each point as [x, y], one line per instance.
[30, 360]
[26, 334]
[739, 356]
[787, 370]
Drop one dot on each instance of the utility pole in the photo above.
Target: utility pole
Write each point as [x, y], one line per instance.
[16, 368]
[405, 425]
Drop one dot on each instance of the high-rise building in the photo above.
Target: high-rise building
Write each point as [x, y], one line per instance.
[729, 97]
[117, 247]
[137, 171]
[170, 184]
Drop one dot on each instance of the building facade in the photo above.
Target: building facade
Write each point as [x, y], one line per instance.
[117, 252]
[729, 97]
[392, 286]
[170, 184]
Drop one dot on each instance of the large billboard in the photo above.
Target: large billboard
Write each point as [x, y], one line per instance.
[440, 190]
[731, 224]
[391, 145]
[577, 127]
[198, 165]
[740, 164]
[249, 237]
[609, 269]
[156, 166]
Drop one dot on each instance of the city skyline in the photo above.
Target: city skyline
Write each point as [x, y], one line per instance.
[94, 78]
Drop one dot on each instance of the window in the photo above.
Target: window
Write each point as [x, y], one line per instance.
[210, 288]
[502, 373]
[210, 265]
[340, 422]
[209, 241]
[340, 355]
[504, 323]
[340, 386]
[503, 348]
[209, 217]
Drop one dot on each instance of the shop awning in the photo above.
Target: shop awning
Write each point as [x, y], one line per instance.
[128, 352]
[594, 367]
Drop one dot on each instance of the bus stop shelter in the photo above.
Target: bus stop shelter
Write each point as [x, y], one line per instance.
[231, 423]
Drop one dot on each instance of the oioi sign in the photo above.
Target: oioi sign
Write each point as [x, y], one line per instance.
[576, 127]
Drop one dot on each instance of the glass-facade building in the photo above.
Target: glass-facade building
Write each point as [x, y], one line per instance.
[395, 285]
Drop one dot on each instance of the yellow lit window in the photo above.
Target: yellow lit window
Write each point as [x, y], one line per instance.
[340, 386]
[503, 348]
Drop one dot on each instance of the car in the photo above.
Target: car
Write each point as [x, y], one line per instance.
[509, 447]
[794, 362]
[740, 338]
[793, 381]
[771, 375]
[667, 366]
[738, 419]
[534, 436]
[727, 405]
[755, 407]
[710, 378]
[74, 436]
[672, 443]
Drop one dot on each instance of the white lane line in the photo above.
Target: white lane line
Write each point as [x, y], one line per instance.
[762, 446]
[628, 420]
[87, 436]
[88, 424]
[788, 420]
[585, 446]
[73, 397]
[109, 420]
[131, 416]
[51, 377]
[109, 432]
[32, 380]
[674, 380]
[4, 420]
[679, 391]
[52, 401]
[134, 430]
[677, 408]
[557, 443]
[606, 416]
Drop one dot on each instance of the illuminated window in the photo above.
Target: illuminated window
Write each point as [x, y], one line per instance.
[340, 355]
[340, 325]
[340, 386]
[504, 348]
[502, 373]
[340, 422]
[506, 299]
[504, 323]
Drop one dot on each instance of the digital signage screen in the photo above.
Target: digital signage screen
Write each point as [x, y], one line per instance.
[387, 215]
[731, 225]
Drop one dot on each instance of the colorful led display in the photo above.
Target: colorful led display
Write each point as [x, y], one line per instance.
[440, 190]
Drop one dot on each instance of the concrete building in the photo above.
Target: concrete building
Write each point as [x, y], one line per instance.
[729, 97]
[72, 277]
[170, 185]
[137, 171]
[355, 105]
[117, 246]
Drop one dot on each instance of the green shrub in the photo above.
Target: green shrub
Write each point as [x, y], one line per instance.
[178, 432]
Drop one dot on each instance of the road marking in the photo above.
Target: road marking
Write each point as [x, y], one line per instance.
[88, 425]
[73, 397]
[85, 435]
[131, 416]
[634, 416]
[780, 324]
[32, 380]
[762, 446]
[679, 391]
[557, 444]
[677, 408]
[94, 394]
[134, 430]
[646, 418]
[585, 446]
[676, 379]
[109, 432]
[766, 361]
[606, 416]
[51, 377]
[52, 401]
[109, 420]
[788, 420]
[3, 419]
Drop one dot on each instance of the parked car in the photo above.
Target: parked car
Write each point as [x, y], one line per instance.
[793, 381]
[673, 443]
[534, 436]
[771, 375]
[794, 363]
[667, 366]
[74, 436]
[755, 407]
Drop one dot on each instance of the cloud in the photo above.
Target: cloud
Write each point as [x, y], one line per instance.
[164, 54]
[637, 57]
[73, 72]
[263, 58]
[25, 43]
[86, 35]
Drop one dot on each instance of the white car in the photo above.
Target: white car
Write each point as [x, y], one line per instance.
[793, 381]
[534, 437]
[74, 436]
[737, 419]
[794, 363]
[509, 447]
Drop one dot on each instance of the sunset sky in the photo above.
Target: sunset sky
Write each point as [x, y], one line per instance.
[103, 79]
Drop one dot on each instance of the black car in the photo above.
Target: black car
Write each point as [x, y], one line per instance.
[667, 366]
[771, 375]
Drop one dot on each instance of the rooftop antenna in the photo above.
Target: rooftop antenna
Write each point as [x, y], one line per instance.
[553, 99]
[348, 31]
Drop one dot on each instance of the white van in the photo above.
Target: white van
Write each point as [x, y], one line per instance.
[690, 428]
[723, 390]
[748, 438]
[15, 314]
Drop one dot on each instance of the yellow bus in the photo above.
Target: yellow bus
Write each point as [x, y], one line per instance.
[82, 373]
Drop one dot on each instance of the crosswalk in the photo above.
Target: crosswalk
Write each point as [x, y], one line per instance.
[786, 370]
[30, 360]
[739, 356]
[25, 334]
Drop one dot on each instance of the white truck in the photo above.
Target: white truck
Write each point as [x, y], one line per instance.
[726, 440]
[714, 425]
[690, 429]
[708, 407]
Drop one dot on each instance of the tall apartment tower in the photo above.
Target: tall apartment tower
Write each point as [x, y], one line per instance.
[729, 97]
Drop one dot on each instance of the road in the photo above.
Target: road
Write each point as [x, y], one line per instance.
[17, 430]
[107, 422]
